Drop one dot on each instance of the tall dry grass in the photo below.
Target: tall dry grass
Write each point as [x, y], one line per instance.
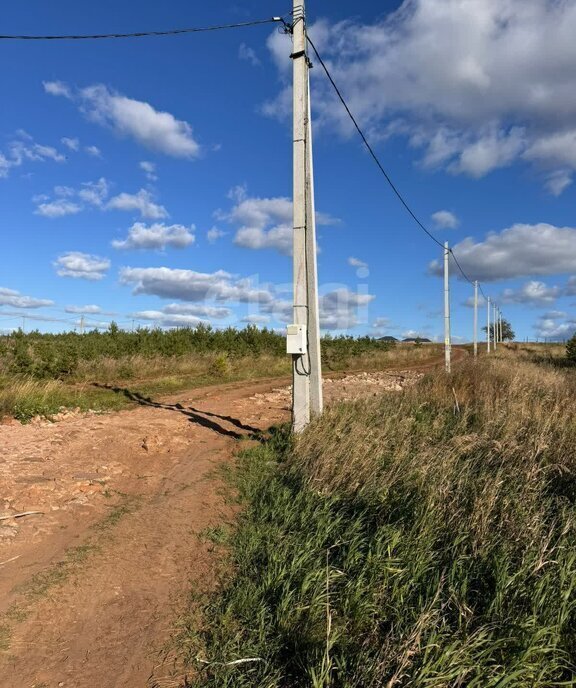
[421, 539]
[209, 366]
[491, 410]
[24, 396]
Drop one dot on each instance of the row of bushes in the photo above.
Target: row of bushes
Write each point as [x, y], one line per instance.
[58, 355]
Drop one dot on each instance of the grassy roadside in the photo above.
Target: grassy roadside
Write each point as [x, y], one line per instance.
[422, 539]
[24, 397]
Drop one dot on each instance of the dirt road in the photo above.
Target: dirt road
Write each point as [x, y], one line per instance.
[91, 587]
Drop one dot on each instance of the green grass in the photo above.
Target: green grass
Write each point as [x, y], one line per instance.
[5, 635]
[117, 512]
[92, 386]
[59, 572]
[401, 543]
[24, 398]
[217, 535]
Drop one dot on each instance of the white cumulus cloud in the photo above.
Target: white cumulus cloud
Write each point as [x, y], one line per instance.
[214, 234]
[58, 208]
[357, 263]
[160, 319]
[558, 181]
[197, 309]
[188, 285]
[341, 308]
[141, 202]
[555, 326]
[22, 148]
[10, 297]
[519, 251]
[70, 201]
[82, 265]
[248, 54]
[149, 169]
[473, 85]
[156, 236]
[94, 151]
[445, 219]
[94, 193]
[90, 309]
[57, 88]
[533, 293]
[72, 143]
[183, 315]
[154, 129]
[265, 223]
[256, 319]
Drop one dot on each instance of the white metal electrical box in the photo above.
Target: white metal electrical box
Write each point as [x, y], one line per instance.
[296, 339]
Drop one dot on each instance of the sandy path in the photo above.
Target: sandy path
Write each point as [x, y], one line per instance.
[90, 589]
[100, 625]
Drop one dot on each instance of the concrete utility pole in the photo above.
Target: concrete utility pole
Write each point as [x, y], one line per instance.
[81, 324]
[314, 354]
[303, 340]
[494, 327]
[500, 328]
[475, 318]
[488, 325]
[447, 339]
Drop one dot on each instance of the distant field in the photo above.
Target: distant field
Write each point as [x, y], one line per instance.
[40, 373]
[422, 538]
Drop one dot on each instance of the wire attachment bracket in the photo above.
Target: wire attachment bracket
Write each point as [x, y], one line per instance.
[302, 53]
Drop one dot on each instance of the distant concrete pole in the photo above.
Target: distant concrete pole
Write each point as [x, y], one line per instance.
[494, 327]
[300, 364]
[447, 339]
[476, 319]
[488, 335]
[81, 324]
[500, 328]
[314, 354]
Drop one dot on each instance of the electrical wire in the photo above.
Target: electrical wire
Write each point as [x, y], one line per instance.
[381, 167]
[174, 32]
[140, 34]
[464, 275]
[370, 149]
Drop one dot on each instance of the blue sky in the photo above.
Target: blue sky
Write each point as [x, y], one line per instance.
[150, 179]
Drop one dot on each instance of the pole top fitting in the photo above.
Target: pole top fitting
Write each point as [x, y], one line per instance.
[298, 12]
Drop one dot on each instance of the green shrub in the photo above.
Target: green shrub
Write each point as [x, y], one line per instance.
[571, 349]
[220, 367]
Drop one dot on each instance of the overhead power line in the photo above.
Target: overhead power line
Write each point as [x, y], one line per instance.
[140, 34]
[464, 275]
[259, 22]
[371, 150]
[381, 167]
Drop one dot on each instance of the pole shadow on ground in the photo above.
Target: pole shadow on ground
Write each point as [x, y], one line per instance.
[194, 415]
